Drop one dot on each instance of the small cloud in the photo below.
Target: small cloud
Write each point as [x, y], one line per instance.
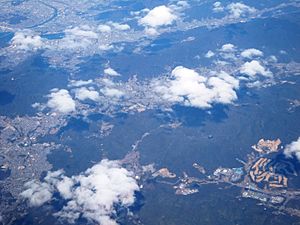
[254, 68]
[78, 37]
[25, 40]
[60, 100]
[158, 16]
[112, 92]
[272, 59]
[119, 26]
[83, 31]
[293, 149]
[283, 52]
[209, 54]
[251, 52]
[105, 47]
[217, 7]
[93, 195]
[151, 31]
[183, 4]
[79, 83]
[37, 193]
[238, 9]
[104, 28]
[188, 39]
[110, 71]
[84, 94]
[227, 48]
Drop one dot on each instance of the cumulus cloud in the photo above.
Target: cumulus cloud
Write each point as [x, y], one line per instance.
[182, 4]
[293, 149]
[105, 47]
[84, 93]
[93, 194]
[104, 28]
[151, 31]
[217, 7]
[119, 26]
[60, 100]
[79, 83]
[112, 92]
[272, 59]
[158, 16]
[251, 52]
[78, 37]
[254, 68]
[84, 31]
[239, 9]
[209, 54]
[24, 40]
[189, 88]
[228, 47]
[110, 71]
[37, 193]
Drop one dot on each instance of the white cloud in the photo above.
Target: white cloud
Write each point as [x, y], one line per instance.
[105, 47]
[183, 4]
[217, 7]
[37, 193]
[283, 52]
[188, 39]
[84, 93]
[251, 52]
[83, 31]
[209, 54]
[119, 26]
[91, 195]
[79, 83]
[104, 28]
[228, 47]
[151, 31]
[64, 187]
[239, 9]
[26, 41]
[112, 92]
[60, 100]
[158, 16]
[254, 68]
[189, 88]
[78, 37]
[293, 149]
[272, 59]
[110, 71]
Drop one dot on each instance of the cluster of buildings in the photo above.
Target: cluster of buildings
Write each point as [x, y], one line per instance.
[261, 172]
[262, 197]
[267, 146]
[228, 174]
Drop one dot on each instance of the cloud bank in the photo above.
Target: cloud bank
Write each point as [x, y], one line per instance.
[92, 195]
